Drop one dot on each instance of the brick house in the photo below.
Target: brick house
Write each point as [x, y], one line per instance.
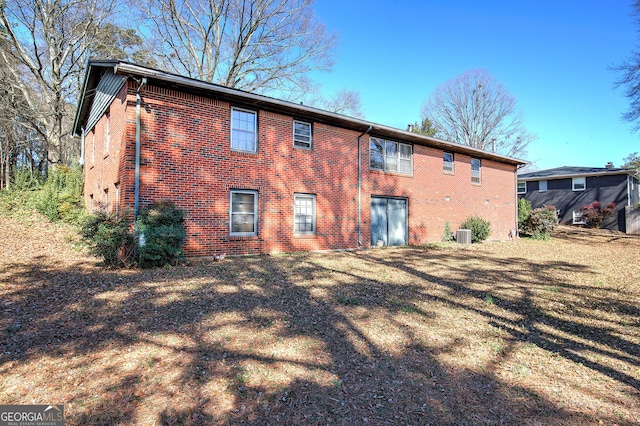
[257, 174]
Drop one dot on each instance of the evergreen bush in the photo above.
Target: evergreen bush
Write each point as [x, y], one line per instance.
[108, 236]
[480, 228]
[447, 235]
[524, 211]
[160, 234]
[540, 223]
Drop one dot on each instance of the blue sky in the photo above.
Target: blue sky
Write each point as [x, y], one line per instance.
[552, 56]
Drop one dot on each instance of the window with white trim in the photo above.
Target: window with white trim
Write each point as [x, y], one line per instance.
[243, 130]
[447, 162]
[304, 216]
[522, 187]
[578, 183]
[476, 166]
[302, 135]
[243, 212]
[390, 156]
[106, 200]
[542, 185]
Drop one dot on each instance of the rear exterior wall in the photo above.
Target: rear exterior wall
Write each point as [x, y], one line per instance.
[186, 156]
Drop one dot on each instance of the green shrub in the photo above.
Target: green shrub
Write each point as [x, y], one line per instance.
[541, 222]
[160, 234]
[61, 195]
[447, 235]
[480, 228]
[108, 236]
[524, 211]
[595, 213]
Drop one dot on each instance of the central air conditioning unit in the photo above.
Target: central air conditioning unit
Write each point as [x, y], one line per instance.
[463, 236]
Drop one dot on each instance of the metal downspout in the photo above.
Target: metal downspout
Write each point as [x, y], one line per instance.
[81, 161]
[136, 199]
[360, 186]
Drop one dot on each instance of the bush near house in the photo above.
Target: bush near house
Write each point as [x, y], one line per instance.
[595, 213]
[480, 228]
[108, 237]
[524, 211]
[540, 223]
[160, 234]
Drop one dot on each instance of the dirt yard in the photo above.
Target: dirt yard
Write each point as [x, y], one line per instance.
[523, 332]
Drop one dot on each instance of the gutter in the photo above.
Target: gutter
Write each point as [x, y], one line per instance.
[136, 199]
[360, 185]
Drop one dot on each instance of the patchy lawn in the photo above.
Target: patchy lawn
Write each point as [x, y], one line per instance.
[526, 332]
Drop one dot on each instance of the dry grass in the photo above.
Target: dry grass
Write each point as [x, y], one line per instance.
[500, 333]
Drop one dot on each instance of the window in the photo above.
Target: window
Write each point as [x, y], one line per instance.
[106, 200]
[304, 219]
[578, 184]
[577, 218]
[475, 170]
[243, 212]
[390, 156]
[542, 185]
[447, 162]
[107, 133]
[243, 130]
[302, 134]
[522, 187]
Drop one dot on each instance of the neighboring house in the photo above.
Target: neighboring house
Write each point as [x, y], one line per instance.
[571, 188]
[256, 174]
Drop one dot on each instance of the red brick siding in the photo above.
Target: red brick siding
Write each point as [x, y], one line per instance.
[103, 168]
[186, 156]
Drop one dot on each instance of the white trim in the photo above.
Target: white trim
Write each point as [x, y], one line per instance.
[574, 181]
[397, 157]
[255, 212]
[476, 172]
[255, 129]
[445, 163]
[310, 142]
[525, 187]
[297, 196]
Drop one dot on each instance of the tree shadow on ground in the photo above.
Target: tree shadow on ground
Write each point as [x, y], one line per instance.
[345, 337]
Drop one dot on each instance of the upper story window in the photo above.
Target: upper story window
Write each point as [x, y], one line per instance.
[390, 156]
[93, 146]
[243, 212]
[243, 130]
[522, 187]
[578, 184]
[542, 185]
[447, 162]
[302, 137]
[476, 167]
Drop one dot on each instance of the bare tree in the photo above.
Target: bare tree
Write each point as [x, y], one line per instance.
[630, 79]
[47, 45]
[254, 45]
[344, 101]
[475, 110]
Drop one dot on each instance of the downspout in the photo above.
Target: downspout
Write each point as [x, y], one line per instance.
[360, 186]
[136, 192]
[81, 161]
